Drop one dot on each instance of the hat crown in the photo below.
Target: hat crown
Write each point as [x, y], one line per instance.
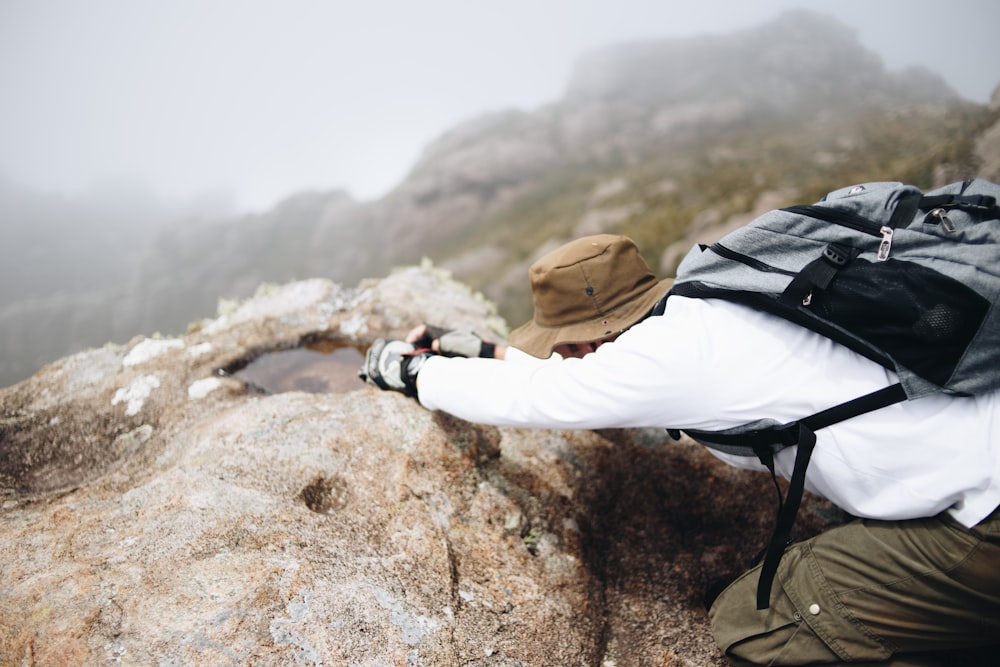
[587, 290]
[587, 279]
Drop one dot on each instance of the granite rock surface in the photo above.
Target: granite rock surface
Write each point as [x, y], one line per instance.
[158, 512]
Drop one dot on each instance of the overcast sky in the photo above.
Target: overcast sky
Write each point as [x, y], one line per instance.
[259, 99]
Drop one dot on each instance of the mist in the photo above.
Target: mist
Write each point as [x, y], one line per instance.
[253, 101]
[128, 129]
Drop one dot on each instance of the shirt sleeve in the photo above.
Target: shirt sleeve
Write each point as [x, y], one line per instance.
[632, 382]
[703, 364]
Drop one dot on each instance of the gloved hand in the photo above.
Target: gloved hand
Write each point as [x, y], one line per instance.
[452, 343]
[393, 365]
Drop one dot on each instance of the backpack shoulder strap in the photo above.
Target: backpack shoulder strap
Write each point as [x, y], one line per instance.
[806, 441]
[800, 433]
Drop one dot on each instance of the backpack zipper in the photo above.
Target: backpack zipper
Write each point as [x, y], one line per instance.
[752, 262]
[851, 221]
[940, 216]
[885, 245]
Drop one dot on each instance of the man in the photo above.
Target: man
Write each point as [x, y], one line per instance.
[917, 575]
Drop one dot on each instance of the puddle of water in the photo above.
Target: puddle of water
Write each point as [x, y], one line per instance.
[321, 367]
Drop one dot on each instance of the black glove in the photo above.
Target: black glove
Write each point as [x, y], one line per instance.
[455, 343]
[392, 364]
[431, 333]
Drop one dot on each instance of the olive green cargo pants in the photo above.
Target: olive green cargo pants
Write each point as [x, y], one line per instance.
[871, 592]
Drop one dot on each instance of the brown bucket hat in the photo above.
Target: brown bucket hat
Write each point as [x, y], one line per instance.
[589, 289]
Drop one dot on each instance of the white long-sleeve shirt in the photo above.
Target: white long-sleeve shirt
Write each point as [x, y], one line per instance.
[712, 365]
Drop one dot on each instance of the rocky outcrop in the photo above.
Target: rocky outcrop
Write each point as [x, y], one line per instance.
[157, 512]
[628, 102]
[987, 147]
[636, 96]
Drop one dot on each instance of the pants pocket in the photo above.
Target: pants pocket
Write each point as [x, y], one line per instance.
[805, 624]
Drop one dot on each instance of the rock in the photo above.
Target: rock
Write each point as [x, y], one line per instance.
[987, 146]
[157, 512]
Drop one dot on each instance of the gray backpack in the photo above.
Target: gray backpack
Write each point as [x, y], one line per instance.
[907, 279]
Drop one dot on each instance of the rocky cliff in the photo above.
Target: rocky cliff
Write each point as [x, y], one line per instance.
[155, 511]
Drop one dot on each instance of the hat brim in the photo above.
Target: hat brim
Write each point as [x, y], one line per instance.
[539, 341]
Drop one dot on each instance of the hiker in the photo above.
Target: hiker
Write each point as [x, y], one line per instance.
[917, 573]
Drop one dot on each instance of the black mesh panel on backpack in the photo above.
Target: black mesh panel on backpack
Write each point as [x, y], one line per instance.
[925, 320]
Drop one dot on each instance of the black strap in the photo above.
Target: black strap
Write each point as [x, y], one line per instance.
[817, 274]
[982, 204]
[785, 434]
[765, 441]
[881, 398]
[805, 436]
[781, 537]
[906, 209]
[660, 307]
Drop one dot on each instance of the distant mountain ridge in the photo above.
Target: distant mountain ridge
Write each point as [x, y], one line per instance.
[648, 138]
[627, 101]
[801, 54]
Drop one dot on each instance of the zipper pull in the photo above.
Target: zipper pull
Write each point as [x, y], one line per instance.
[886, 245]
[942, 217]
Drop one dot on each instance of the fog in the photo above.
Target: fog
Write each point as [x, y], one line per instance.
[235, 104]
[135, 135]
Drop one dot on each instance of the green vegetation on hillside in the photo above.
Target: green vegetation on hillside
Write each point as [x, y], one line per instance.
[727, 173]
